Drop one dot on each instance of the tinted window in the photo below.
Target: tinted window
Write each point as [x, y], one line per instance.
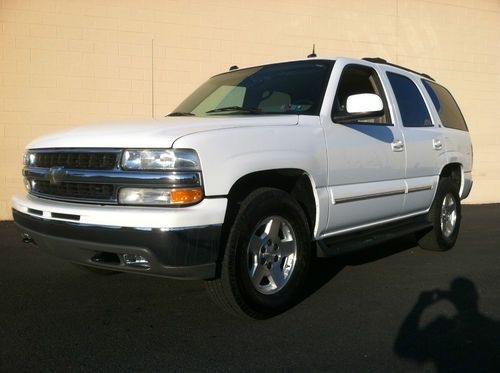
[446, 106]
[283, 88]
[411, 105]
[356, 79]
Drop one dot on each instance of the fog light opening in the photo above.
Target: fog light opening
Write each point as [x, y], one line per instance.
[136, 261]
[106, 258]
[26, 237]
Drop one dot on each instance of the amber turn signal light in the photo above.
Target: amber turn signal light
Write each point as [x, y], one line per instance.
[182, 196]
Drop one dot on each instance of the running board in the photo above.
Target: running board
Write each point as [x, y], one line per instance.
[349, 242]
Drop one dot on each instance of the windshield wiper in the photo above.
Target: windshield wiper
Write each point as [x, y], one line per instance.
[236, 108]
[180, 114]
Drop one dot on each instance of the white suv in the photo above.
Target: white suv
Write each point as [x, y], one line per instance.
[255, 172]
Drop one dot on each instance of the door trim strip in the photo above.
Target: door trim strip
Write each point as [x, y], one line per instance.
[381, 194]
[369, 196]
[419, 188]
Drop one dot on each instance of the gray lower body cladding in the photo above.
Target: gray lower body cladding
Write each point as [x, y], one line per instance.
[190, 253]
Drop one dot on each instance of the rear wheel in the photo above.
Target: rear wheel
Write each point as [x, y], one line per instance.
[267, 256]
[445, 217]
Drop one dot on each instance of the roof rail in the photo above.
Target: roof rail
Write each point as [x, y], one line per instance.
[384, 62]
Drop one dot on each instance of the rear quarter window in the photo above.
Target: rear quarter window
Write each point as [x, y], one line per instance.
[446, 106]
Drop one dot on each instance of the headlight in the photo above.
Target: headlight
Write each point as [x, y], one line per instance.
[159, 196]
[160, 159]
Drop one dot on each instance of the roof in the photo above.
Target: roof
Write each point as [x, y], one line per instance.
[384, 62]
[374, 60]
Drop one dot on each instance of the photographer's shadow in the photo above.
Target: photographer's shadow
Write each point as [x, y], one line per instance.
[468, 341]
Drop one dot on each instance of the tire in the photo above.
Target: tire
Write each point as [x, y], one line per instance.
[445, 216]
[267, 256]
[97, 271]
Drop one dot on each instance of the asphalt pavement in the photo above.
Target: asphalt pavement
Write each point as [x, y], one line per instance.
[391, 308]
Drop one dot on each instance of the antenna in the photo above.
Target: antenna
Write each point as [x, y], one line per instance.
[152, 79]
[234, 67]
[313, 54]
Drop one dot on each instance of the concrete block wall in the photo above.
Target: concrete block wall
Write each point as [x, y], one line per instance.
[66, 63]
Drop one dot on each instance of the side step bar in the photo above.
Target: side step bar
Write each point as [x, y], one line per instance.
[349, 242]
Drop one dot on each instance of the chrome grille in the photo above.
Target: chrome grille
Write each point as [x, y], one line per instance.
[76, 160]
[92, 175]
[63, 190]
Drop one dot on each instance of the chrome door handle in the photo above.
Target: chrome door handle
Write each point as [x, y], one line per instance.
[397, 146]
[437, 144]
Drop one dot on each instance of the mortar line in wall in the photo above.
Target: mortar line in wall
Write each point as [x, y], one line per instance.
[152, 80]
[397, 31]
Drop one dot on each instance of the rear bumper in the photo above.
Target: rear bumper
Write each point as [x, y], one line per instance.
[467, 185]
[182, 253]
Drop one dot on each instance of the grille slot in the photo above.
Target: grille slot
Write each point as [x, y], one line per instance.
[76, 160]
[35, 212]
[65, 216]
[88, 191]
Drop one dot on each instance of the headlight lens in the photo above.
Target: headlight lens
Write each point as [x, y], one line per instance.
[159, 196]
[160, 159]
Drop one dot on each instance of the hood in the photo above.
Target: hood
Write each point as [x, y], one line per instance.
[158, 133]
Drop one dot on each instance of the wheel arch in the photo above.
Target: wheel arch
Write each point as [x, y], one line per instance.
[455, 172]
[297, 182]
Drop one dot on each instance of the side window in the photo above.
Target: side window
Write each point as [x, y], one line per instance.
[446, 106]
[357, 79]
[411, 105]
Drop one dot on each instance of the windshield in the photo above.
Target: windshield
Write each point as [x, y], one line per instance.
[284, 88]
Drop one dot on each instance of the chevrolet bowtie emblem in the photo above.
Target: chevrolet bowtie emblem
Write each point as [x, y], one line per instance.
[55, 175]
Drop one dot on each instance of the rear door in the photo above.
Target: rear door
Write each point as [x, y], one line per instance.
[424, 143]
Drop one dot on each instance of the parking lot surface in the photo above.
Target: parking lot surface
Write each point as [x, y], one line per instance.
[393, 307]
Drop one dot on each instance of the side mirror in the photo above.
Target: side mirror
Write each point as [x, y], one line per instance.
[361, 106]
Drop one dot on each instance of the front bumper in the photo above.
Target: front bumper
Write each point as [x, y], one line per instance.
[183, 253]
[210, 211]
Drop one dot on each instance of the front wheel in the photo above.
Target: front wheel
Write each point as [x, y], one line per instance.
[267, 256]
[445, 217]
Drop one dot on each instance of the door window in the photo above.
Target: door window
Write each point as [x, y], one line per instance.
[356, 79]
[411, 105]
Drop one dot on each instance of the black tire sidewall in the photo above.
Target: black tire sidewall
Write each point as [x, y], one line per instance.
[257, 207]
[446, 186]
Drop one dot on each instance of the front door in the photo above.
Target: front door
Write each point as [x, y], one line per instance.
[366, 159]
